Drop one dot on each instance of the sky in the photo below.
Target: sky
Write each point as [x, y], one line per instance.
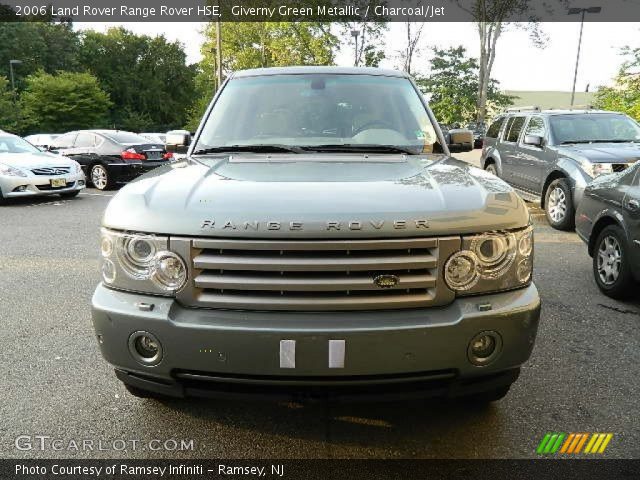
[518, 66]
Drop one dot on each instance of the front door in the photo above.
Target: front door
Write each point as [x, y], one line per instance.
[534, 159]
[631, 206]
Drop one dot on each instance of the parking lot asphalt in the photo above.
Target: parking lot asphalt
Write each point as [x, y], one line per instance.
[582, 376]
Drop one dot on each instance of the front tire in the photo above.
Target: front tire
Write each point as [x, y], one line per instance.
[558, 205]
[100, 177]
[611, 268]
[492, 169]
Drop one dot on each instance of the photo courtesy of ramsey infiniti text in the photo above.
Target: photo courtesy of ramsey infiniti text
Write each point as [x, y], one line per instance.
[317, 240]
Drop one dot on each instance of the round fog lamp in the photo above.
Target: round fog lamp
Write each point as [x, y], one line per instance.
[145, 348]
[484, 348]
[169, 272]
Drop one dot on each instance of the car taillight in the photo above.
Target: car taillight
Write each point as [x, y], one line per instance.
[168, 156]
[131, 154]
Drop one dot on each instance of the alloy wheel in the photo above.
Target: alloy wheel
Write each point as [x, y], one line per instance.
[99, 177]
[557, 205]
[609, 260]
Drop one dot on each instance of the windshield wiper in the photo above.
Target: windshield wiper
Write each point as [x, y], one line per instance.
[249, 148]
[359, 148]
[615, 140]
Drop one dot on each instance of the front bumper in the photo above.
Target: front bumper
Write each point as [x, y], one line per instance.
[235, 352]
[35, 185]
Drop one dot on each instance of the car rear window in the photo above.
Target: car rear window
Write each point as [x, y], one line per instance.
[126, 138]
[516, 128]
[494, 129]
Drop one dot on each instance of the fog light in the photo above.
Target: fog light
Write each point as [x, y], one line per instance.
[145, 348]
[484, 348]
[81, 183]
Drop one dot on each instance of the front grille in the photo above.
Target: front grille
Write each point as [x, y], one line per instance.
[49, 171]
[619, 167]
[49, 187]
[315, 275]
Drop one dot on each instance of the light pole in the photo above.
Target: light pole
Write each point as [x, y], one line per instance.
[582, 11]
[354, 34]
[13, 81]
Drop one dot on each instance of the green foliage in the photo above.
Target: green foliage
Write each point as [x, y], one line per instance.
[8, 118]
[147, 78]
[370, 41]
[39, 46]
[453, 87]
[63, 102]
[625, 95]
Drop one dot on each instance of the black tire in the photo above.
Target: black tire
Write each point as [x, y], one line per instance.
[70, 194]
[558, 205]
[491, 167]
[101, 172]
[141, 393]
[2, 199]
[604, 260]
[489, 396]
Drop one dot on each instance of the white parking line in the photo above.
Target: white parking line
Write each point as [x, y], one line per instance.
[97, 194]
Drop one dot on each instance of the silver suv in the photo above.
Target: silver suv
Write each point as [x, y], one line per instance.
[552, 155]
[318, 238]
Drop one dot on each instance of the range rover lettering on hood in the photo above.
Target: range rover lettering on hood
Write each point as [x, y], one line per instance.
[211, 224]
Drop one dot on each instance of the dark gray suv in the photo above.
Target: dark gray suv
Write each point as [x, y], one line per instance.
[608, 220]
[552, 155]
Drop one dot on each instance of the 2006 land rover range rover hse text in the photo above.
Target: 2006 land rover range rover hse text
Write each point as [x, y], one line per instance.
[317, 240]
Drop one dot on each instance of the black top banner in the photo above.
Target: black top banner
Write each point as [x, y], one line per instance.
[322, 10]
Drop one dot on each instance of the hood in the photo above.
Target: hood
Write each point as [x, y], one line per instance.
[27, 161]
[604, 152]
[316, 196]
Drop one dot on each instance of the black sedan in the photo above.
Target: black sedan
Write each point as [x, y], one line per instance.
[111, 157]
[608, 220]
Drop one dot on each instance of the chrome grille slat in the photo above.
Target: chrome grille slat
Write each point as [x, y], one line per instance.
[51, 171]
[314, 275]
[280, 263]
[307, 284]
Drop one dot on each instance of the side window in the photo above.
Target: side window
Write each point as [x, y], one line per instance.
[494, 129]
[515, 129]
[65, 141]
[85, 140]
[507, 128]
[536, 127]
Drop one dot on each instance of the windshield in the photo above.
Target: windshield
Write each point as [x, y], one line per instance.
[599, 128]
[344, 112]
[16, 145]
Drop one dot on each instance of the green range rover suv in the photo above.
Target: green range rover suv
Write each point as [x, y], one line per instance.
[317, 240]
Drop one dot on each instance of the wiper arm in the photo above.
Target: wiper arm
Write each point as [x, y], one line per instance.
[249, 148]
[359, 148]
[615, 140]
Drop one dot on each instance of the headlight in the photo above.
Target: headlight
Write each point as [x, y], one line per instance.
[78, 167]
[11, 171]
[140, 262]
[491, 262]
[596, 169]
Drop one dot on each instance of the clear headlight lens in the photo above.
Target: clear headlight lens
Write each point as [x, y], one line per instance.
[11, 171]
[597, 169]
[140, 262]
[78, 168]
[491, 262]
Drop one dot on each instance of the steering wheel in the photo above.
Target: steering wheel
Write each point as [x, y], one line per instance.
[374, 123]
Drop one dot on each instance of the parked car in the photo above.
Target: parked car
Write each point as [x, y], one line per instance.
[478, 134]
[111, 157]
[320, 241]
[608, 220]
[552, 155]
[155, 137]
[42, 140]
[27, 171]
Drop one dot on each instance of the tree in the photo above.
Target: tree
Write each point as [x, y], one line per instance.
[414, 32]
[625, 95]
[39, 46]
[63, 102]
[147, 78]
[7, 107]
[370, 38]
[453, 86]
[491, 20]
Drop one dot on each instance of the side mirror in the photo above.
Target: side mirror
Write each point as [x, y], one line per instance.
[534, 140]
[178, 141]
[461, 140]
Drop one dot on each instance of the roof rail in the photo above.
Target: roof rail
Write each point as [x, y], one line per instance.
[532, 108]
[575, 107]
